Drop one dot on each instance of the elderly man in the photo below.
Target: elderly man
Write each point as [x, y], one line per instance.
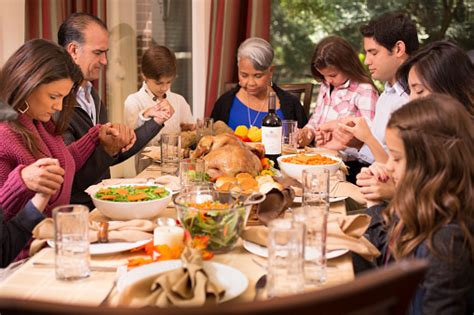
[86, 39]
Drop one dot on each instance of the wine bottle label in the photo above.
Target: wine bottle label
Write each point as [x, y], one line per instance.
[271, 139]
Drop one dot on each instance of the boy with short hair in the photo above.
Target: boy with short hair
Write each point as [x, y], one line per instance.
[159, 72]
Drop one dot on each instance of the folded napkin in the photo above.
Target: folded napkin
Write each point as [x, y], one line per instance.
[275, 203]
[188, 285]
[343, 232]
[118, 231]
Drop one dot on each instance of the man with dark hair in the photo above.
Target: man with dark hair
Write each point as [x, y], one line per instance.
[388, 41]
[86, 39]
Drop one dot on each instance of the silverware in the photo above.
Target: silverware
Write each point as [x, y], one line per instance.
[118, 273]
[92, 268]
[260, 286]
[259, 264]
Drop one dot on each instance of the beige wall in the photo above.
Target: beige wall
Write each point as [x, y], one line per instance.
[12, 27]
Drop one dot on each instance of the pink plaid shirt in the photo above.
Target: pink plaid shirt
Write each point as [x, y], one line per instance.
[349, 99]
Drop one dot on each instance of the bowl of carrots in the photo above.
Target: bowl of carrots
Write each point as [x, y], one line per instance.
[292, 165]
[131, 201]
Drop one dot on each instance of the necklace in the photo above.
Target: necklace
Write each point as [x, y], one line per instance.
[258, 112]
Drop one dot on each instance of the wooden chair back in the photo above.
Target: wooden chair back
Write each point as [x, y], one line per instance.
[303, 91]
[384, 291]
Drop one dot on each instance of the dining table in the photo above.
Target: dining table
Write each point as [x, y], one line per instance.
[35, 278]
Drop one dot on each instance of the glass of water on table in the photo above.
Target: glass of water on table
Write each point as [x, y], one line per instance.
[71, 242]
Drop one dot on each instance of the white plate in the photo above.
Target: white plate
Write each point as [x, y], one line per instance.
[262, 251]
[232, 280]
[299, 199]
[110, 248]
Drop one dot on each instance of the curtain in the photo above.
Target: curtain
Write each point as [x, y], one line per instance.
[43, 18]
[232, 21]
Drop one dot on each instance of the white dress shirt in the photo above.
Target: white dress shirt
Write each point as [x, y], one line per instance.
[392, 98]
[86, 102]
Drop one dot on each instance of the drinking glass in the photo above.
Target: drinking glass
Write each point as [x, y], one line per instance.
[192, 172]
[71, 242]
[288, 139]
[285, 257]
[204, 127]
[315, 209]
[170, 153]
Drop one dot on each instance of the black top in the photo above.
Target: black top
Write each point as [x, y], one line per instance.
[289, 105]
[16, 233]
[97, 166]
[448, 286]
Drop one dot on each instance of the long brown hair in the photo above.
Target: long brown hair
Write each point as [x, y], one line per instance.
[38, 62]
[437, 187]
[337, 52]
[444, 68]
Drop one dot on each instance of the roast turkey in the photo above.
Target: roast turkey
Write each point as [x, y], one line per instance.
[227, 155]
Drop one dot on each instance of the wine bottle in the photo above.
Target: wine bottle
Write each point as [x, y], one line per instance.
[272, 131]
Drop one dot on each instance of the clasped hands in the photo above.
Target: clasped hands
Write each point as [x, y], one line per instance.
[376, 183]
[160, 112]
[336, 134]
[116, 138]
[44, 177]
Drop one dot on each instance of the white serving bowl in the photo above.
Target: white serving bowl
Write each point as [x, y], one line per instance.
[131, 210]
[296, 170]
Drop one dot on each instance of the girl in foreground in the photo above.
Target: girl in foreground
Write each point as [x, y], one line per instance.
[431, 144]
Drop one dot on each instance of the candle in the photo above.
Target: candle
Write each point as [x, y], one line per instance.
[168, 235]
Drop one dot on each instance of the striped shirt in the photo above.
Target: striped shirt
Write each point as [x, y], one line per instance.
[349, 99]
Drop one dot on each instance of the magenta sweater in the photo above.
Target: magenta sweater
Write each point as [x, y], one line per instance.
[14, 156]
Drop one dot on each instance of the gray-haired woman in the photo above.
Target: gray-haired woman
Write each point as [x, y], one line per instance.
[247, 103]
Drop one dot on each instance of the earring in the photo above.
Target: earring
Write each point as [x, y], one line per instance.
[23, 108]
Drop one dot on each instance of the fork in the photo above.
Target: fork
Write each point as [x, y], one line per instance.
[121, 270]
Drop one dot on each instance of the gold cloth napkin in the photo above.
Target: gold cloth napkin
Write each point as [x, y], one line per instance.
[188, 285]
[275, 203]
[118, 231]
[343, 232]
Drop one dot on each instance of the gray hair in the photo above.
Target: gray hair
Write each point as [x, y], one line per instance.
[258, 51]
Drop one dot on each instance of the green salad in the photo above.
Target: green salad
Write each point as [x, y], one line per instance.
[216, 220]
[131, 193]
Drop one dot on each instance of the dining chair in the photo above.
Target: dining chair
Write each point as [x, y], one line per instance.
[386, 290]
[303, 91]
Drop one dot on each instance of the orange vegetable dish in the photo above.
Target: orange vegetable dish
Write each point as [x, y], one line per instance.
[304, 159]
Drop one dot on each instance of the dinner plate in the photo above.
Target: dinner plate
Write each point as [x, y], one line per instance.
[299, 199]
[110, 248]
[262, 251]
[232, 280]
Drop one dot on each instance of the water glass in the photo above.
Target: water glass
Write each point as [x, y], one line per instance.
[192, 172]
[204, 127]
[285, 257]
[289, 134]
[71, 242]
[315, 209]
[170, 153]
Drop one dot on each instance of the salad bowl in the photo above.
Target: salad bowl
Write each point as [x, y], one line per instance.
[131, 201]
[219, 216]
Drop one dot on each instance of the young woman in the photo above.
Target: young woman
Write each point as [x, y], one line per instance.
[431, 144]
[39, 81]
[346, 88]
[159, 72]
[247, 103]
